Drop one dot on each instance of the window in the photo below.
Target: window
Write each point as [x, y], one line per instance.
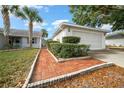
[34, 40]
[17, 41]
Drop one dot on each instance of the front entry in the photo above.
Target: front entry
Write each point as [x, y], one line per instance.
[15, 42]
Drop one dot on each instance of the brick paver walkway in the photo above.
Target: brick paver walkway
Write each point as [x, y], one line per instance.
[46, 66]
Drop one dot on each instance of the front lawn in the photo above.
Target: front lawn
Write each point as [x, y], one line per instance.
[15, 66]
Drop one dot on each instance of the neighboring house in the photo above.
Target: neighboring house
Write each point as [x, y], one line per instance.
[20, 38]
[115, 38]
[91, 36]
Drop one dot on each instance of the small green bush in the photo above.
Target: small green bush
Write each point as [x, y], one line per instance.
[66, 50]
[71, 39]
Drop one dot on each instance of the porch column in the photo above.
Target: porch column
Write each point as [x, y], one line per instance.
[40, 42]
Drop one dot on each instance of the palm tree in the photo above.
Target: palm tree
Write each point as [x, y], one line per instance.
[5, 10]
[30, 14]
[44, 35]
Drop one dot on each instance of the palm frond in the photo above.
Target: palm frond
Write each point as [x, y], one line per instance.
[44, 33]
[14, 8]
[20, 14]
[32, 14]
[38, 19]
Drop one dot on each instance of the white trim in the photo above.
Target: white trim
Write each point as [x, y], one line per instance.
[65, 76]
[52, 55]
[84, 27]
[58, 30]
[31, 70]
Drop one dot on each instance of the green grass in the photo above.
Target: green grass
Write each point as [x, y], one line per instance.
[15, 66]
[115, 47]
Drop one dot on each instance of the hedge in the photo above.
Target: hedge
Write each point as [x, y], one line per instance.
[50, 41]
[71, 39]
[66, 50]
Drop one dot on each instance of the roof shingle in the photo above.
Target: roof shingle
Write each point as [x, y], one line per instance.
[22, 33]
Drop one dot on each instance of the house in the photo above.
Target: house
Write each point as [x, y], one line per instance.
[115, 38]
[94, 37]
[20, 38]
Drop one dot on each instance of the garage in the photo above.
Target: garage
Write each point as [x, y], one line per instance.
[91, 36]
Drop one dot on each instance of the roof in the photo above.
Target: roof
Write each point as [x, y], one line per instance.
[58, 30]
[115, 35]
[22, 33]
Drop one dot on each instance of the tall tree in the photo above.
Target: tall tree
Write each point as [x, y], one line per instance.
[30, 14]
[96, 16]
[5, 11]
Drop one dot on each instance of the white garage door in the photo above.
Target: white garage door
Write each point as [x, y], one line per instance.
[94, 39]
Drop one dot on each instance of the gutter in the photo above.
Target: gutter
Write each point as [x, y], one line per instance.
[77, 26]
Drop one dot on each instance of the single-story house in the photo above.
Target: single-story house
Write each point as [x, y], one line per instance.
[94, 37]
[20, 38]
[115, 38]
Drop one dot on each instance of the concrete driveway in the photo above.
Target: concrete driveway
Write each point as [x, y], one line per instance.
[110, 55]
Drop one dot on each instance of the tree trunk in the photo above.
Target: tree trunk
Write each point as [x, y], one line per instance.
[6, 23]
[30, 33]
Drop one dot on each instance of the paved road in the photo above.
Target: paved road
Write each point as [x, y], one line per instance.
[115, 56]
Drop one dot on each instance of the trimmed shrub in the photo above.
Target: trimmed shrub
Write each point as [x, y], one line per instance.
[50, 41]
[71, 39]
[66, 50]
[55, 48]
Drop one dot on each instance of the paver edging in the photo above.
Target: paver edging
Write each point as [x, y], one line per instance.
[68, 59]
[76, 58]
[31, 70]
[46, 82]
[52, 55]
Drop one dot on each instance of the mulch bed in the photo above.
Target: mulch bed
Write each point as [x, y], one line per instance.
[109, 77]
